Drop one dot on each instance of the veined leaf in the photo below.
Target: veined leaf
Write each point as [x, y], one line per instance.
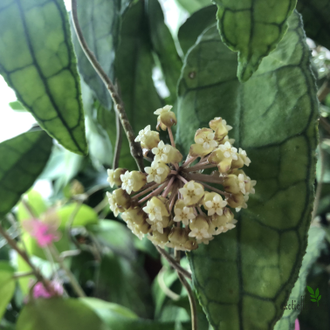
[57, 313]
[100, 24]
[246, 275]
[315, 239]
[7, 285]
[253, 29]
[37, 61]
[316, 17]
[194, 25]
[24, 158]
[163, 45]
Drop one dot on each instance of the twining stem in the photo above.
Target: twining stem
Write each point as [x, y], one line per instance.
[23, 274]
[26, 258]
[173, 263]
[135, 147]
[163, 286]
[153, 193]
[75, 285]
[191, 296]
[119, 129]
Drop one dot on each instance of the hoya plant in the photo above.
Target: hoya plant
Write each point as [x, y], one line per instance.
[188, 165]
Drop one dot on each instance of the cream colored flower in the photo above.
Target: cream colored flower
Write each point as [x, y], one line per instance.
[142, 134]
[163, 110]
[228, 150]
[161, 152]
[200, 229]
[127, 183]
[183, 213]
[206, 139]
[192, 192]
[158, 172]
[244, 156]
[215, 204]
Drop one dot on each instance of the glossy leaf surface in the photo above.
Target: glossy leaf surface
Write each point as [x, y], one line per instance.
[35, 33]
[244, 277]
[26, 155]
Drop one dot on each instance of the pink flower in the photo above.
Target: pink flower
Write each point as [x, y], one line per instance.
[39, 291]
[45, 232]
[296, 325]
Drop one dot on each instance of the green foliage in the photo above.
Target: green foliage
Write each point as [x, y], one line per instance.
[17, 105]
[71, 314]
[33, 35]
[36, 204]
[253, 29]
[164, 47]
[246, 275]
[316, 20]
[26, 155]
[7, 285]
[315, 243]
[193, 5]
[194, 25]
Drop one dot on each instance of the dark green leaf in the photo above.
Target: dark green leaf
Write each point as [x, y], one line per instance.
[25, 157]
[317, 292]
[37, 61]
[57, 313]
[17, 105]
[316, 17]
[253, 29]
[245, 276]
[7, 285]
[314, 300]
[164, 47]
[100, 24]
[193, 5]
[134, 64]
[310, 289]
[319, 298]
[195, 25]
[315, 239]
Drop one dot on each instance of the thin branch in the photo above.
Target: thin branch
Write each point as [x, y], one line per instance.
[119, 130]
[165, 289]
[25, 257]
[191, 295]
[135, 147]
[173, 263]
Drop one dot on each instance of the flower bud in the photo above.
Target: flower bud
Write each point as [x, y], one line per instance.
[138, 180]
[135, 214]
[220, 127]
[119, 201]
[114, 176]
[166, 118]
[237, 201]
[158, 238]
[148, 139]
[231, 184]
[166, 153]
[200, 228]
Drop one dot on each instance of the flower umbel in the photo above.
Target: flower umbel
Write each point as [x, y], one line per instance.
[174, 203]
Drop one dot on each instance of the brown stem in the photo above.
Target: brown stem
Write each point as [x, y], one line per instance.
[188, 161]
[169, 186]
[135, 147]
[323, 91]
[191, 296]
[118, 142]
[25, 257]
[214, 189]
[206, 178]
[155, 192]
[198, 167]
[171, 136]
[141, 193]
[182, 179]
[173, 263]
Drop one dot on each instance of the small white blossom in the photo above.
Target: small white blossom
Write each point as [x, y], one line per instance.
[200, 233]
[246, 159]
[156, 172]
[165, 109]
[111, 177]
[192, 192]
[207, 140]
[184, 214]
[216, 205]
[127, 183]
[113, 204]
[161, 152]
[154, 211]
[142, 134]
[228, 150]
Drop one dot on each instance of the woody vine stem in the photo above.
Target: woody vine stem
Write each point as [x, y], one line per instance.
[135, 147]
